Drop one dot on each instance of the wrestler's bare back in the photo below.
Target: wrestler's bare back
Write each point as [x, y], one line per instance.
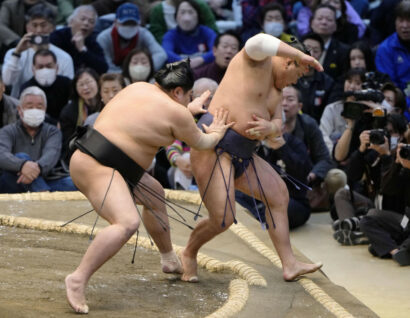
[246, 89]
[141, 118]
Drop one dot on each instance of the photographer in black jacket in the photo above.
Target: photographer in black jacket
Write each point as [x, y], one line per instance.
[369, 160]
[388, 229]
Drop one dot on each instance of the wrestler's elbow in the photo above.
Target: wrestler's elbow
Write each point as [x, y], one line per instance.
[261, 46]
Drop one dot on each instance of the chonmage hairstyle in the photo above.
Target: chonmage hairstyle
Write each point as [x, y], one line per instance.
[177, 74]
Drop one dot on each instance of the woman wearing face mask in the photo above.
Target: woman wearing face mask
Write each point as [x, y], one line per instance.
[138, 67]
[190, 38]
[85, 100]
[273, 21]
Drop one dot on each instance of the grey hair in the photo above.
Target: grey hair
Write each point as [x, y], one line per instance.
[205, 83]
[33, 90]
[78, 9]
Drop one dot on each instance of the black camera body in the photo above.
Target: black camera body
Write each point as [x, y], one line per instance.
[405, 152]
[353, 110]
[40, 39]
[376, 136]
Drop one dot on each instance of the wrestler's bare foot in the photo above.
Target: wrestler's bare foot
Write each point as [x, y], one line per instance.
[190, 268]
[298, 269]
[75, 295]
[171, 264]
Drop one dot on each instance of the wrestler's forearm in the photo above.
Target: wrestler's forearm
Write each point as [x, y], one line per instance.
[207, 141]
[263, 45]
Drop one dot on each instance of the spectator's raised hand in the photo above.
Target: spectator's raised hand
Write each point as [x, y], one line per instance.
[24, 43]
[364, 140]
[78, 40]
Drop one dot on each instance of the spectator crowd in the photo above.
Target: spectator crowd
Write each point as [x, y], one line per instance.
[345, 135]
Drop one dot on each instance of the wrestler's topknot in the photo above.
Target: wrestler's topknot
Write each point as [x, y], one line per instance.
[177, 74]
[295, 43]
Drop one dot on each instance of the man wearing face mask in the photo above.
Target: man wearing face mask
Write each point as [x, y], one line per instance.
[54, 86]
[30, 148]
[125, 35]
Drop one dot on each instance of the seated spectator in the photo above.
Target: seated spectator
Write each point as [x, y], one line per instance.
[85, 100]
[225, 47]
[305, 15]
[360, 55]
[393, 54]
[125, 35]
[388, 228]
[106, 7]
[272, 21]
[316, 88]
[307, 130]
[347, 32]
[394, 97]
[251, 11]
[162, 17]
[138, 67]
[369, 160]
[201, 86]
[18, 62]
[190, 38]
[228, 14]
[79, 40]
[56, 87]
[334, 54]
[110, 84]
[12, 13]
[8, 107]
[289, 156]
[30, 148]
[332, 124]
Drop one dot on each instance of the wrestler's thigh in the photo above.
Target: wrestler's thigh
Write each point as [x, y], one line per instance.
[273, 186]
[149, 192]
[100, 183]
[202, 163]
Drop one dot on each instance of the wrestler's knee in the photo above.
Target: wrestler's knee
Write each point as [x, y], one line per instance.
[131, 225]
[220, 224]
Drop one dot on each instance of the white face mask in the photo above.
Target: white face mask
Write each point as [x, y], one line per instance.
[139, 72]
[394, 142]
[33, 117]
[273, 28]
[45, 76]
[386, 105]
[127, 32]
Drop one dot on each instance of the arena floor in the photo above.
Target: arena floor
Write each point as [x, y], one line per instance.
[239, 270]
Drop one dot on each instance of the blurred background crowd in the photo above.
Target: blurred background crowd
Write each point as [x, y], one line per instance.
[345, 143]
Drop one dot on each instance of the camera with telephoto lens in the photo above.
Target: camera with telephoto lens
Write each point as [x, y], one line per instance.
[376, 136]
[40, 39]
[405, 152]
[370, 92]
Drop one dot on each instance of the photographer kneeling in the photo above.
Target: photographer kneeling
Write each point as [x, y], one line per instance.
[370, 159]
[388, 229]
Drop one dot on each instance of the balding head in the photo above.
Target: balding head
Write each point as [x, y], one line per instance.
[203, 84]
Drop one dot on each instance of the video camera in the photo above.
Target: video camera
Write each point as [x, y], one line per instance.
[405, 152]
[370, 92]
